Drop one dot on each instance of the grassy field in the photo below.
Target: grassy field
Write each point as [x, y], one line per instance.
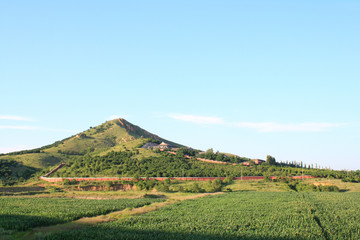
[241, 215]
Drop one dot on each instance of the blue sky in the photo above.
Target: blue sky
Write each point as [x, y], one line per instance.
[246, 77]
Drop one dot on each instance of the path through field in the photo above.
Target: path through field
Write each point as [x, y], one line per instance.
[88, 221]
[238, 215]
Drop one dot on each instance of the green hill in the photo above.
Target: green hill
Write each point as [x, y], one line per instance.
[115, 135]
[114, 148]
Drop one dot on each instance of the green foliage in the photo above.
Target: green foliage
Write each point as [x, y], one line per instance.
[24, 213]
[270, 160]
[214, 186]
[299, 186]
[145, 184]
[209, 154]
[167, 181]
[53, 189]
[187, 151]
[242, 215]
[194, 188]
[67, 182]
[267, 177]
[354, 177]
[12, 172]
[163, 187]
[128, 164]
[90, 154]
[228, 180]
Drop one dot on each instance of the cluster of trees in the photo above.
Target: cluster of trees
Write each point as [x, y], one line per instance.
[187, 151]
[102, 128]
[270, 160]
[210, 154]
[127, 164]
[167, 185]
[12, 172]
[353, 176]
[70, 152]
[304, 187]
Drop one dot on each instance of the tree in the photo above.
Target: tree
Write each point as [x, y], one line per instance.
[270, 160]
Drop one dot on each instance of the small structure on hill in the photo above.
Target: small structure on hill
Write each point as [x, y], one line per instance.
[258, 161]
[161, 146]
[255, 161]
[164, 145]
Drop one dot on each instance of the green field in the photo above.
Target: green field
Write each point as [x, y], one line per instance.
[24, 213]
[240, 215]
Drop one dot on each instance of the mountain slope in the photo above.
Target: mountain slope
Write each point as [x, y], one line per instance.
[115, 135]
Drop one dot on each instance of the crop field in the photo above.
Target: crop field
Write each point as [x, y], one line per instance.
[24, 213]
[239, 215]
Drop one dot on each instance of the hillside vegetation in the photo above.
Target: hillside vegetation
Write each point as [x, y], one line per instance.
[164, 164]
[114, 149]
[115, 135]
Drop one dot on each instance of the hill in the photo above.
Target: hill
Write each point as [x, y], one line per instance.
[115, 148]
[115, 135]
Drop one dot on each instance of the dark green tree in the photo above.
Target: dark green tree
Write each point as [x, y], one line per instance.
[270, 160]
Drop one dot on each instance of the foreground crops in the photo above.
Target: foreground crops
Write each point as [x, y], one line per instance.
[25, 213]
[247, 215]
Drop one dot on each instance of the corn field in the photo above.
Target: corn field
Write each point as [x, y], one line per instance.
[24, 213]
[239, 215]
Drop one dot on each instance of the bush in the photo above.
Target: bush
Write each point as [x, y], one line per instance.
[53, 189]
[146, 184]
[168, 181]
[195, 188]
[303, 187]
[214, 186]
[228, 180]
[327, 188]
[108, 185]
[163, 187]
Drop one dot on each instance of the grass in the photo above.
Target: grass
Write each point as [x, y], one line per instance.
[37, 160]
[258, 186]
[345, 186]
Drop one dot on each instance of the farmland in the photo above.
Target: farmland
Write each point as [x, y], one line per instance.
[24, 213]
[239, 215]
[246, 210]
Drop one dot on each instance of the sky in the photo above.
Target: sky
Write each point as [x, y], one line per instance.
[253, 78]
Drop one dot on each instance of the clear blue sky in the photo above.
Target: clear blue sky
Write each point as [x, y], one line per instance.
[246, 77]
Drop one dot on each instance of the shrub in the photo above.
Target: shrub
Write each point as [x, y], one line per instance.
[195, 188]
[163, 188]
